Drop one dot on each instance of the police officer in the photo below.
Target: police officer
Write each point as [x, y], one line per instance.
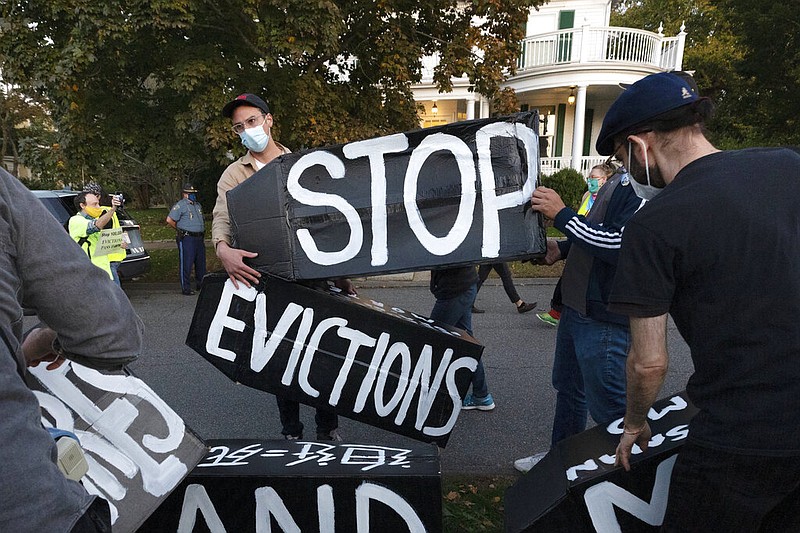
[186, 217]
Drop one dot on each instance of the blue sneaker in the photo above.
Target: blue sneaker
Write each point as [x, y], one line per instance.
[482, 404]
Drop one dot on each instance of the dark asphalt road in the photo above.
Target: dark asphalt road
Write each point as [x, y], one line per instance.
[518, 359]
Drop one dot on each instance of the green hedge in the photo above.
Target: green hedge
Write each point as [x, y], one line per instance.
[569, 184]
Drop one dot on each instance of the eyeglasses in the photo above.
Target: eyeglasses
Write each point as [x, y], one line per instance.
[251, 122]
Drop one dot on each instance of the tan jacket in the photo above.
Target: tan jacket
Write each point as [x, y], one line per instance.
[236, 173]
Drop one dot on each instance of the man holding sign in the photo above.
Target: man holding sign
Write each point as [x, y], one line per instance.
[92, 229]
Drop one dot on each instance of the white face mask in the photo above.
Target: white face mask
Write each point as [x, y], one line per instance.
[255, 139]
[645, 192]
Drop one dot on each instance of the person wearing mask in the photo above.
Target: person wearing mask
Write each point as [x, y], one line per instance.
[252, 122]
[597, 178]
[86, 227]
[591, 342]
[717, 247]
[41, 270]
[186, 218]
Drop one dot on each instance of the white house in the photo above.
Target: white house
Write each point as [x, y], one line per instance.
[570, 68]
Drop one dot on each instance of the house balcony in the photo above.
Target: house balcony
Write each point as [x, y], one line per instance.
[611, 46]
[571, 77]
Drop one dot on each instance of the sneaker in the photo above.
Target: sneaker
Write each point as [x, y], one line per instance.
[293, 437]
[547, 318]
[524, 308]
[331, 435]
[188, 293]
[477, 311]
[482, 404]
[526, 463]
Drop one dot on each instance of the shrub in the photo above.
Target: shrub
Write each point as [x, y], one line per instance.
[569, 184]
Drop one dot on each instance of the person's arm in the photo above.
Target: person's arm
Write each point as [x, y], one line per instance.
[232, 259]
[103, 220]
[171, 223]
[601, 241]
[646, 369]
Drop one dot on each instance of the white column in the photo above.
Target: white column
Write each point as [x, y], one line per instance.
[470, 107]
[681, 47]
[577, 129]
[484, 108]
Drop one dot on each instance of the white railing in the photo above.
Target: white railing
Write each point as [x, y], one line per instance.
[601, 45]
[551, 165]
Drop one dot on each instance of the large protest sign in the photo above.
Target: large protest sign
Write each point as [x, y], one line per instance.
[374, 363]
[252, 485]
[577, 488]
[138, 449]
[451, 195]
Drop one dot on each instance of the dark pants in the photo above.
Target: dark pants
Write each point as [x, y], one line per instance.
[96, 519]
[191, 251]
[289, 410]
[713, 490]
[505, 275]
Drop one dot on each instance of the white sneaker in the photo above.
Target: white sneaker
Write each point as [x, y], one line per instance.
[526, 463]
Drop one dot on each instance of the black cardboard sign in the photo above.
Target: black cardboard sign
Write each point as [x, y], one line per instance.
[253, 485]
[445, 196]
[384, 366]
[137, 447]
[577, 488]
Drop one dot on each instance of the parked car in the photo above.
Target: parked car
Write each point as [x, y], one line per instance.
[137, 260]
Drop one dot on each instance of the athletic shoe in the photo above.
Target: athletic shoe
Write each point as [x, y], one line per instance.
[482, 404]
[293, 437]
[331, 435]
[524, 308]
[547, 318]
[476, 311]
[526, 463]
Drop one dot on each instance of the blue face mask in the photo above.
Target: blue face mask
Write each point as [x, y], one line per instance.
[192, 197]
[593, 184]
[255, 139]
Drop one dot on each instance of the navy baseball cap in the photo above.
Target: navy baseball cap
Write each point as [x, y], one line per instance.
[244, 99]
[646, 99]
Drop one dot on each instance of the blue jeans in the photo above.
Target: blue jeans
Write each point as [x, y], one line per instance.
[714, 490]
[457, 311]
[115, 271]
[588, 372]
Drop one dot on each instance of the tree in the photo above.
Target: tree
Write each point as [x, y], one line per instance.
[145, 81]
[749, 73]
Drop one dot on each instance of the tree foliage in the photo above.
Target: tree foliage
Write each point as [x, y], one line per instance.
[135, 89]
[745, 56]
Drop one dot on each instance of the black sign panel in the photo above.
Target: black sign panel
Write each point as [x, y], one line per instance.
[451, 195]
[138, 449]
[251, 485]
[577, 488]
[367, 361]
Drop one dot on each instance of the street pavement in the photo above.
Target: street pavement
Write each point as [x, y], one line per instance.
[518, 357]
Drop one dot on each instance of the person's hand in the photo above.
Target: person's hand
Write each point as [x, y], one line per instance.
[233, 262]
[553, 253]
[38, 347]
[547, 202]
[346, 286]
[629, 438]
[115, 201]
